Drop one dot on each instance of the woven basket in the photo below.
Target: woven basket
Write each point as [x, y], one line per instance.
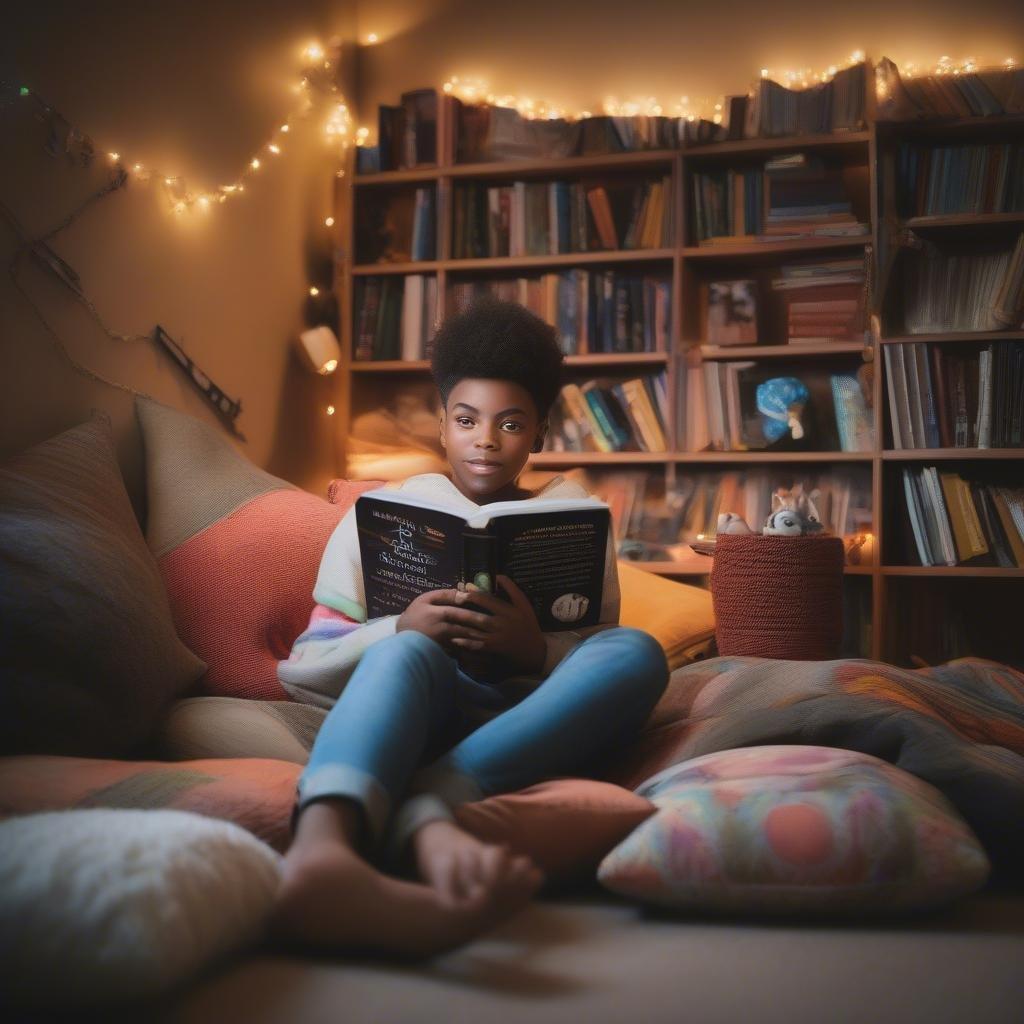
[778, 597]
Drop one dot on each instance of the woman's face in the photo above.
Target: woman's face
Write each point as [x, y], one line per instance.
[488, 429]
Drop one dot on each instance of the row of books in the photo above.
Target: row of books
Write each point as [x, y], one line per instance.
[974, 179]
[940, 398]
[397, 227]
[655, 523]
[984, 92]
[485, 132]
[720, 409]
[954, 521]
[536, 218]
[773, 110]
[792, 196]
[593, 310]
[406, 134]
[395, 317]
[958, 289]
[611, 416]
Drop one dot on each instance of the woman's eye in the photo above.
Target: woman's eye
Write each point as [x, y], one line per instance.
[464, 421]
[513, 427]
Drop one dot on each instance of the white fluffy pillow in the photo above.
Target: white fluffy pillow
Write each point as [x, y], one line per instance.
[99, 905]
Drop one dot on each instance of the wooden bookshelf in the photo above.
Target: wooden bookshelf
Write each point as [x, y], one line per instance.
[688, 265]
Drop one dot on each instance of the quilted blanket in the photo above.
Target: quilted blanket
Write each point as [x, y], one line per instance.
[959, 726]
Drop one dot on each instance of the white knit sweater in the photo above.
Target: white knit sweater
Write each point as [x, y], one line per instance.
[324, 657]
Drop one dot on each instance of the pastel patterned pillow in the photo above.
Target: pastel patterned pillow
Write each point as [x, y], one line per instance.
[795, 828]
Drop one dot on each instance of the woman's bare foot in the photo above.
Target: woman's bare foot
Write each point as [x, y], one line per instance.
[462, 870]
[332, 899]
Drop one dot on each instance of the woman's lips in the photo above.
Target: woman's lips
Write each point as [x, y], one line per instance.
[484, 468]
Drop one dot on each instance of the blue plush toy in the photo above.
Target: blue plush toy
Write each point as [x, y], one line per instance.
[780, 401]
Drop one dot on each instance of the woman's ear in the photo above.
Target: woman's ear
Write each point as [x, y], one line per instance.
[538, 442]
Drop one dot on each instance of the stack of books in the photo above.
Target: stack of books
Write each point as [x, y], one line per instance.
[593, 310]
[945, 398]
[955, 521]
[490, 133]
[773, 110]
[611, 416]
[964, 290]
[395, 317]
[788, 197]
[935, 180]
[398, 227]
[984, 92]
[537, 218]
[406, 134]
[824, 301]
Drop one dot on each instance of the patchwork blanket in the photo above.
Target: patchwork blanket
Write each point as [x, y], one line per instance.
[959, 726]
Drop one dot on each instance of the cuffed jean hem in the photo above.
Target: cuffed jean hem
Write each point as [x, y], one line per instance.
[343, 780]
[438, 790]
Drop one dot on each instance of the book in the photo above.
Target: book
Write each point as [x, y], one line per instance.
[553, 549]
[731, 313]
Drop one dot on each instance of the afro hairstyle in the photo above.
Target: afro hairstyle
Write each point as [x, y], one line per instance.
[500, 341]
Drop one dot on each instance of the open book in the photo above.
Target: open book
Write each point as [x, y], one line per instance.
[554, 550]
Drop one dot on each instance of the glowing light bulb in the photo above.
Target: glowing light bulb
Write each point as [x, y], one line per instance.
[204, 202]
[255, 165]
[764, 72]
[372, 37]
[329, 367]
[284, 128]
[314, 52]
[114, 157]
[314, 291]
[168, 181]
[330, 410]
[329, 221]
[274, 149]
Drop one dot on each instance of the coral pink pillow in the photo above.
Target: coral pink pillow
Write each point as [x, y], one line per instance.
[566, 825]
[256, 793]
[238, 548]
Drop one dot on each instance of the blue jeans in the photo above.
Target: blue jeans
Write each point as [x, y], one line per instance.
[403, 701]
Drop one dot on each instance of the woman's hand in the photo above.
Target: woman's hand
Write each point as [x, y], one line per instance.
[438, 614]
[511, 630]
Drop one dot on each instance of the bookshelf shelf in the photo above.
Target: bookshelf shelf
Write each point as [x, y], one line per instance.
[509, 169]
[965, 571]
[752, 251]
[597, 360]
[384, 178]
[418, 267]
[957, 337]
[862, 157]
[944, 454]
[974, 222]
[783, 351]
[562, 259]
[755, 147]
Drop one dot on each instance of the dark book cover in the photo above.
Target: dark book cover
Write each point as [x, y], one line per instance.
[555, 553]
[420, 107]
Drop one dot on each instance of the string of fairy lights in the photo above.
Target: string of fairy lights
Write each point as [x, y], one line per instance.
[316, 88]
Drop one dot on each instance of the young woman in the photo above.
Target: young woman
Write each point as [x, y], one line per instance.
[459, 697]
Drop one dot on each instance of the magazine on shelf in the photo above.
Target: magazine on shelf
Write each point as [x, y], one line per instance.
[553, 549]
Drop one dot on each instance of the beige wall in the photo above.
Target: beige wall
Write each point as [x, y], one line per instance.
[574, 53]
[194, 89]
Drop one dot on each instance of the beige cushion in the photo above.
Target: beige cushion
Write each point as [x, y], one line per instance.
[89, 656]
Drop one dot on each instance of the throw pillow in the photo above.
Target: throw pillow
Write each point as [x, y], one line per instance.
[89, 656]
[101, 906]
[565, 825]
[256, 793]
[794, 829]
[679, 616]
[239, 550]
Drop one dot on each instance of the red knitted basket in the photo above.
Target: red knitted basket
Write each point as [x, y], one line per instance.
[778, 597]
